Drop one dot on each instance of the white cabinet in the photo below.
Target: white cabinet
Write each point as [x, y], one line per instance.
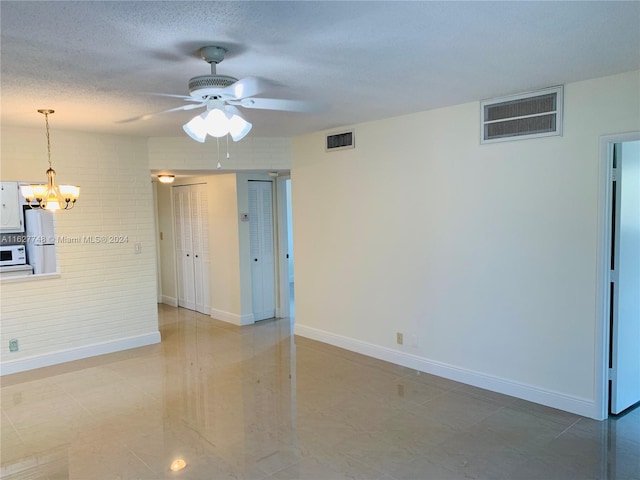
[10, 213]
[190, 205]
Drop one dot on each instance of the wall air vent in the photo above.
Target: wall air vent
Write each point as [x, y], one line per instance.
[340, 141]
[527, 115]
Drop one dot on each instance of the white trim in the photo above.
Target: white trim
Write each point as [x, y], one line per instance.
[283, 300]
[30, 278]
[170, 300]
[69, 355]
[580, 406]
[234, 318]
[601, 367]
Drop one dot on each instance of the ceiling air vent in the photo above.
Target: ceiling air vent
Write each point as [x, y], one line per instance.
[527, 115]
[340, 141]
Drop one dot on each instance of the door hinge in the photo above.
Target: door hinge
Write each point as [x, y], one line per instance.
[613, 276]
[610, 374]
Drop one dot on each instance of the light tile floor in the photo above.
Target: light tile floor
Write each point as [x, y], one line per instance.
[257, 403]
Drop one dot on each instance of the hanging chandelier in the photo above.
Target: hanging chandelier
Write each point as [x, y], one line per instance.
[50, 196]
[219, 120]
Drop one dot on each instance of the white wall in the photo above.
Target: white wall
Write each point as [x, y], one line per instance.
[166, 245]
[224, 250]
[252, 153]
[105, 297]
[484, 256]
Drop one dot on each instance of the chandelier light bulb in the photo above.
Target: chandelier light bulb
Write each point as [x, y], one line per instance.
[50, 196]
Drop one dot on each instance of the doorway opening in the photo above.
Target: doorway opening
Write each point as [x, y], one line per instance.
[286, 281]
[618, 331]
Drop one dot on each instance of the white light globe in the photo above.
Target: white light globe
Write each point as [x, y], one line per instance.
[238, 127]
[196, 128]
[217, 123]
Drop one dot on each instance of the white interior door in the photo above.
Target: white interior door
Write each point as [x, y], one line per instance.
[625, 385]
[192, 247]
[184, 247]
[262, 249]
[200, 233]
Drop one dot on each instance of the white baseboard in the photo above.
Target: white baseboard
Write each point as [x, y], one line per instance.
[561, 401]
[232, 317]
[170, 300]
[46, 360]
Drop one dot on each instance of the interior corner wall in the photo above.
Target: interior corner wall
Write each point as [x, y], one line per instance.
[166, 245]
[224, 250]
[483, 256]
[105, 298]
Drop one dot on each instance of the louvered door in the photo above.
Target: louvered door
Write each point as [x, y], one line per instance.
[261, 249]
[192, 247]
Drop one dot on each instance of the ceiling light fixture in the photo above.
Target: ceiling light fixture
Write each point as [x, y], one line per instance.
[50, 196]
[166, 178]
[219, 120]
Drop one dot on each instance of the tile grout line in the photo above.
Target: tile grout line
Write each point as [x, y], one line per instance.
[141, 460]
[566, 429]
[15, 429]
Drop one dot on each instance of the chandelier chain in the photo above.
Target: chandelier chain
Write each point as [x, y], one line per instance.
[46, 121]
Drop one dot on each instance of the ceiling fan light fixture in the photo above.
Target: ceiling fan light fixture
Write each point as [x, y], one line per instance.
[238, 127]
[196, 128]
[217, 123]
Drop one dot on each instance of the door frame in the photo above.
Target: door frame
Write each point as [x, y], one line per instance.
[282, 271]
[603, 296]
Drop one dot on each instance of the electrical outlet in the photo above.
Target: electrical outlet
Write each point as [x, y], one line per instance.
[399, 339]
[13, 345]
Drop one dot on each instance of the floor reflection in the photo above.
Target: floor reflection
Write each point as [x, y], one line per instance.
[256, 403]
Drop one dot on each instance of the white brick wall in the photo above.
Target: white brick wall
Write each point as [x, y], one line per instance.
[106, 293]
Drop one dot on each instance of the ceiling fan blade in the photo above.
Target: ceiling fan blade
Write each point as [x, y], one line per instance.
[243, 88]
[186, 98]
[279, 104]
[147, 116]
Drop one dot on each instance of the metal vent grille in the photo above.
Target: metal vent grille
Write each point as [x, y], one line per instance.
[528, 115]
[340, 141]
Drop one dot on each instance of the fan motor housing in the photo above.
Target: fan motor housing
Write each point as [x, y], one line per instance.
[207, 86]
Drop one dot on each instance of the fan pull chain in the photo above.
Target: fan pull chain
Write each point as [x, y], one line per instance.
[219, 166]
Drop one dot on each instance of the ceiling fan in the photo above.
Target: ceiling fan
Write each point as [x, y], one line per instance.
[221, 95]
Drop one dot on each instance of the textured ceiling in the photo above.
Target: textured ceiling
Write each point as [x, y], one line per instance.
[95, 63]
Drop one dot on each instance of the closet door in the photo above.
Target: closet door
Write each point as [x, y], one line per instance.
[192, 247]
[200, 234]
[184, 247]
[261, 248]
